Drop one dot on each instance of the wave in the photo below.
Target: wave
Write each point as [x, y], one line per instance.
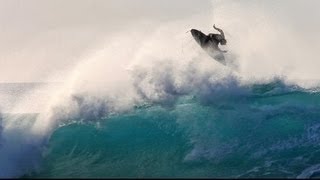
[193, 137]
[249, 108]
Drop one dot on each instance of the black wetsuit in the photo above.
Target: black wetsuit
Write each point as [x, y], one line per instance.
[215, 40]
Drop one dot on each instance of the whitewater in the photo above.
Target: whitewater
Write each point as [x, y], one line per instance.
[147, 101]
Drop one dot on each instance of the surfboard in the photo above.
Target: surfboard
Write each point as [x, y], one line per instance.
[207, 45]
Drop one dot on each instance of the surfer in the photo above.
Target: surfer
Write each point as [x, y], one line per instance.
[217, 38]
[210, 43]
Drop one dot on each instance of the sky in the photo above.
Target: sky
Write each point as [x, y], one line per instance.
[39, 38]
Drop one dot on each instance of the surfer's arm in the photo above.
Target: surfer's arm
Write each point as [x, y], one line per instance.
[220, 30]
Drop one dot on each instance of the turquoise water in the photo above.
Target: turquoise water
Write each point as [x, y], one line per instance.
[270, 130]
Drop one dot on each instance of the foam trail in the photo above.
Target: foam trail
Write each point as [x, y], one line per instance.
[307, 173]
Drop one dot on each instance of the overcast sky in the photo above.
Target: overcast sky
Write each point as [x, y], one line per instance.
[39, 36]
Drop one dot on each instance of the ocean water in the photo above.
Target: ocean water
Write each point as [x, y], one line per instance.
[269, 130]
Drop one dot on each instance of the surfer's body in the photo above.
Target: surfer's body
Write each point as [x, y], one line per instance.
[211, 42]
[217, 39]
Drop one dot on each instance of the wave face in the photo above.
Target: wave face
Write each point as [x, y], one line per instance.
[146, 101]
[272, 131]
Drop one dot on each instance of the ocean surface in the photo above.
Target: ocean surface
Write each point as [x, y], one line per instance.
[267, 130]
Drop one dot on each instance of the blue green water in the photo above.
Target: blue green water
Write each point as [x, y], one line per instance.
[270, 130]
